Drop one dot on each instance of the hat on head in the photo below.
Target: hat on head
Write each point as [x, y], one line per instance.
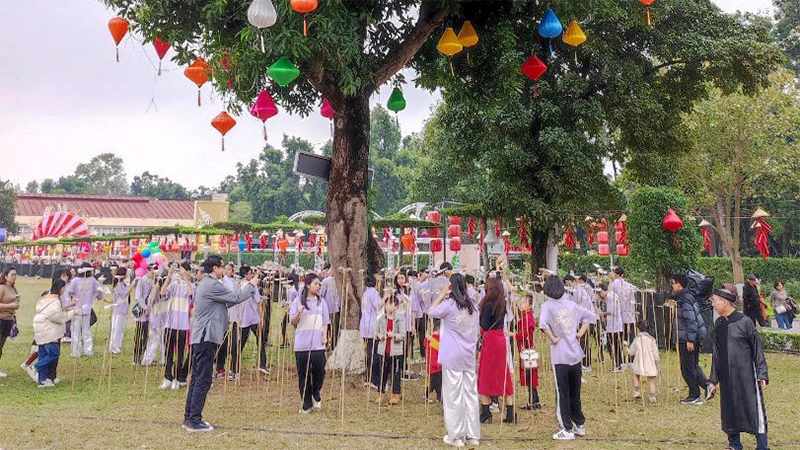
[726, 294]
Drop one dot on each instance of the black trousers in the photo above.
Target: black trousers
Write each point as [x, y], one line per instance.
[629, 332]
[421, 326]
[264, 343]
[614, 342]
[372, 372]
[311, 375]
[408, 350]
[533, 393]
[586, 344]
[390, 365]
[690, 369]
[202, 371]
[284, 324]
[568, 395]
[140, 341]
[436, 385]
[176, 340]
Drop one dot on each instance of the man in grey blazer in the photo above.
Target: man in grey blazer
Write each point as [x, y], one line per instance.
[211, 301]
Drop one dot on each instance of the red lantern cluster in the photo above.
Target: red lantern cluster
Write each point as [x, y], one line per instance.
[603, 249]
[621, 238]
[454, 230]
[434, 216]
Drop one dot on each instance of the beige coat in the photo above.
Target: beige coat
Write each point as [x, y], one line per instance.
[645, 355]
[48, 323]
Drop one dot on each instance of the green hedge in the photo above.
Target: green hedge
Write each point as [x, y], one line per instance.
[306, 259]
[782, 342]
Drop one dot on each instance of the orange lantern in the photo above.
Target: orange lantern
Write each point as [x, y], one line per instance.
[408, 241]
[223, 123]
[198, 73]
[283, 243]
[468, 37]
[304, 7]
[118, 27]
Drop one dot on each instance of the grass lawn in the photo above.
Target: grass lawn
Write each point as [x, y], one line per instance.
[87, 412]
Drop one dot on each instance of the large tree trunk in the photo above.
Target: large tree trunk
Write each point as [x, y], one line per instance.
[539, 240]
[347, 222]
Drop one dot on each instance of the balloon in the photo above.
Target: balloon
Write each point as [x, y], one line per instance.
[163, 247]
[146, 253]
[153, 244]
[140, 272]
[155, 250]
[136, 257]
[143, 264]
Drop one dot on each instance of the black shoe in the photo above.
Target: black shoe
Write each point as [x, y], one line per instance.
[198, 427]
[692, 401]
[486, 418]
[537, 406]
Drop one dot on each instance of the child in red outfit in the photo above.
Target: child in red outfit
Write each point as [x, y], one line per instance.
[524, 336]
[432, 363]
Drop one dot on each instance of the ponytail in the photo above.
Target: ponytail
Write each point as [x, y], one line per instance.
[304, 295]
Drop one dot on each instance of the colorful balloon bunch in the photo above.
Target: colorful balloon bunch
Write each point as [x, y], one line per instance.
[149, 254]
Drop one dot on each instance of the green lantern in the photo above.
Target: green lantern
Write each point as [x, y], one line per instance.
[283, 72]
[396, 101]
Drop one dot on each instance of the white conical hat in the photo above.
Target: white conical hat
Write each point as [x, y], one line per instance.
[759, 214]
[704, 223]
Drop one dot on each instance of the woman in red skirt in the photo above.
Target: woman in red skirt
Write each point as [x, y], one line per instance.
[525, 330]
[494, 374]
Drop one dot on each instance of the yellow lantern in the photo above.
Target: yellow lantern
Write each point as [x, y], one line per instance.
[574, 36]
[468, 37]
[449, 45]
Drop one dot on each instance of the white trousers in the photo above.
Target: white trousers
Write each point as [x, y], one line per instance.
[81, 338]
[117, 333]
[155, 346]
[460, 404]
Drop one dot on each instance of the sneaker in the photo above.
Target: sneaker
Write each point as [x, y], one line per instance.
[233, 377]
[3, 374]
[166, 384]
[564, 435]
[46, 384]
[653, 400]
[56, 380]
[494, 407]
[637, 394]
[410, 376]
[316, 404]
[181, 384]
[586, 369]
[373, 386]
[526, 407]
[263, 370]
[617, 370]
[537, 406]
[692, 401]
[66, 339]
[454, 442]
[198, 427]
[220, 374]
[175, 385]
[472, 442]
[711, 389]
[31, 371]
[579, 430]
[305, 411]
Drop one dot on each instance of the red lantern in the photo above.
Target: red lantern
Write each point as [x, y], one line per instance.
[672, 222]
[223, 123]
[118, 27]
[622, 250]
[304, 7]
[454, 231]
[327, 112]
[455, 220]
[570, 240]
[455, 244]
[434, 216]
[603, 250]
[198, 73]
[471, 227]
[436, 245]
[602, 237]
[534, 68]
[162, 47]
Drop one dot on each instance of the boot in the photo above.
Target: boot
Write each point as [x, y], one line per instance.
[486, 415]
[396, 399]
[510, 418]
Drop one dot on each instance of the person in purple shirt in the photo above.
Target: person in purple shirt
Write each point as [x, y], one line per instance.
[559, 319]
[248, 315]
[310, 316]
[457, 347]
[178, 290]
[371, 303]
[122, 291]
[330, 293]
[87, 290]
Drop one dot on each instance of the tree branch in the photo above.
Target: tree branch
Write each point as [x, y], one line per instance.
[431, 16]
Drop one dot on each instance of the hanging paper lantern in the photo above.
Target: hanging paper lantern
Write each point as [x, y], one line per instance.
[118, 27]
[574, 37]
[262, 14]
[326, 110]
[436, 245]
[454, 230]
[602, 237]
[603, 250]
[264, 108]
[471, 227]
[468, 37]
[198, 73]
[454, 220]
[241, 245]
[622, 250]
[704, 224]
[570, 240]
[649, 17]
[534, 68]
[449, 45]
[550, 27]
[283, 72]
[434, 216]
[408, 241]
[672, 222]
[396, 101]
[455, 244]
[162, 47]
[304, 7]
[223, 123]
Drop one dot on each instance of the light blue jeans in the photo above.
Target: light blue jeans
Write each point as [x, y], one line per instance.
[783, 321]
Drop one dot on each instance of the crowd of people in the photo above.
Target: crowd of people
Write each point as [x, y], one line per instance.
[197, 320]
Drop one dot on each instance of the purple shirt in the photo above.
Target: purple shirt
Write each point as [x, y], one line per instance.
[627, 300]
[178, 315]
[614, 309]
[416, 300]
[121, 291]
[142, 294]
[311, 326]
[371, 303]
[291, 293]
[250, 309]
[87, 290]
[562, 317]
[331, 294]
[459, 335]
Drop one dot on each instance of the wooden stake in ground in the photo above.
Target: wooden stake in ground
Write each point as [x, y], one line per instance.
[346, 283]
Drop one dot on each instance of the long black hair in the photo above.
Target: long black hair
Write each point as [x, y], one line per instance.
[401, 289]
[304, 295]
[57, 285]
[458, 293]
[5, 273]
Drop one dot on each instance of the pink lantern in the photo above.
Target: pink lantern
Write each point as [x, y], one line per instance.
[327, 112]
[263, 109]
[603, 250]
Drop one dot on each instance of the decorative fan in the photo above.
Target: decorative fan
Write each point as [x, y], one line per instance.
[59, 224]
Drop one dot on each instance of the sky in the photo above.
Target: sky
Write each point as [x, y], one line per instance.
[64, 99]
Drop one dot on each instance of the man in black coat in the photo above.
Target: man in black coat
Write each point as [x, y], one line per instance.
[688, 340]
[751, 300]
[740, 369]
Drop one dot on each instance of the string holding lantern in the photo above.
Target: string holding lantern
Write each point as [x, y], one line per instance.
[449, 45]
[118, 27]
[264, 108]
[326, 110]
[262, 14]
[223, 123]
[550, 28]
[304, 7]
[162, 47]
[704, 230]
[197, 72]
[575, 37]
[762, 229]
[647, 3]
[283, 72]
[468, 37]
[534, 68]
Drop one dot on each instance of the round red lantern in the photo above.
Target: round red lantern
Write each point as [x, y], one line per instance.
[455, 244]
[455, 220]
[454, 230]
[436, 245]
[622, 250]
[603, 250]
[602, 237]
[434, 216]
[672, 222]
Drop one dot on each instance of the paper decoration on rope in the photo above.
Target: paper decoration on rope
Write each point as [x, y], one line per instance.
[522, 230]
[304, 7]
[248, 239]
[261, 14]
[468, 37]
[283, 72]
[197, 72]
[225, 63]
[704, 225]
[621, 236]
[471, 227]
[762, 229]
[449, 45]
[574, 37]
[263, 240]
[570, 240]
[534, 68]
[506, 243]
[118, 27]
[223, 123]
[387, 236]
[647, 3]
[550, 28]
[59, 224]
[498, 225]
[162, 47]
[264, 108]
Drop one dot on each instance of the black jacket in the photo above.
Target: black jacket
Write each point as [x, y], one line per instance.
[687, 319]
[752, 304]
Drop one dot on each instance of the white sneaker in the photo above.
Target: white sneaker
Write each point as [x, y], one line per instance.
[46, 384]
[494, 407]
[166, 384]
[586, 369]
[304, 411]
[31, 371]
[473, 442]
[454, 442]
[3, 374]
[66, 339]
[564, 435]
[175, 385]
[316, 404]
[579, 430]
[583, 380]
[181, 384]
[56, 380]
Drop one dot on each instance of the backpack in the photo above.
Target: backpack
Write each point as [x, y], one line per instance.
[702, 330]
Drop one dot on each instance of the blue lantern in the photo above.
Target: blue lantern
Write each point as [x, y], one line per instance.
[550, 27]
[242, 245]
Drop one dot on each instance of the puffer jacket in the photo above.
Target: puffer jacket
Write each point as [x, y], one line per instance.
[48, 323]
[687, 320]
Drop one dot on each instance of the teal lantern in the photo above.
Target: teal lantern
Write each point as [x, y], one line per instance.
[550, 27]
[283, 72]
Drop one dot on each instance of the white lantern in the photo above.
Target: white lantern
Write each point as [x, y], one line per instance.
[262, 14]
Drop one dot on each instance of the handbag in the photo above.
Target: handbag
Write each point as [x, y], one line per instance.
[529, 358]
[780, 309]
[14, 329]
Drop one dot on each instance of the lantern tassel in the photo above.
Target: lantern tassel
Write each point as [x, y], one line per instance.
[262, 43]
[264, 125]
[452, 71]
[576, 58]
[649, 18]
[198, 97]
[552, 52]
[159, 67]
[535, 90]
[469, 60]
[331, 128]
[223, 143]
[118, 53]
[305, 26]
